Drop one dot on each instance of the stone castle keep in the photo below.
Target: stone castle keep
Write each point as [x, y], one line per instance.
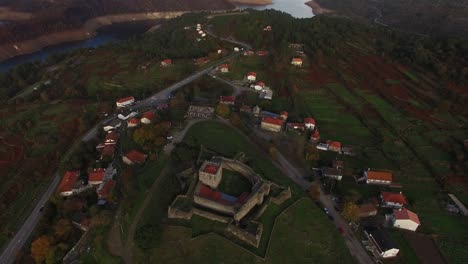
[204, 199]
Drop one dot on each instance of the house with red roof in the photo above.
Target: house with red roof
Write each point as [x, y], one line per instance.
[67, 185]
[378, 177]
[295, 126]
[249, 53]
[124, 102]
[296, 62]
[262, 53]
[405, 219]
[105, 190]
[229, 100]
[284, 115]
[134, 157]
[309, 123]
[210, 173]
[111, 138]
[366, 210]
[252, 76]
[272, 124]
[166, 63]
[246, 109]
[133, 122]
[259, 86]
[334, 145]
[96, 176]
[393, 200]
[108, 151]
[315, 137]
[223, 68]
[147, 117]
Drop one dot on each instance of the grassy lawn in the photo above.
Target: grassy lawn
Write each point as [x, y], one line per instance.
[234, 183]
[302, 234]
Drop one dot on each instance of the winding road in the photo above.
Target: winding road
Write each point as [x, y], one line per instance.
[17, 242]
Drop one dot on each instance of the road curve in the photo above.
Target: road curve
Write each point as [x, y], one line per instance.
[17, 242]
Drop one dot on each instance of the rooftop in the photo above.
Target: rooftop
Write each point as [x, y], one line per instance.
[379, 175]
[394, 197]
[126, 99]
[136, 156]
[211, 169]
[96, 175]
[273, 121]
[68, 181]
[405, 214]
[149, 115]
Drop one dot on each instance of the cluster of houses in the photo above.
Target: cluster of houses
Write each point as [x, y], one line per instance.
[259, 87]
[125, 102]
[276, 123]
[146, 119]
[260, 53]
[200, 32]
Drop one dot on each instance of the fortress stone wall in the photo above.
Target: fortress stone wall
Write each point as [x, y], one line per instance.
[227, 209]
[256, 198]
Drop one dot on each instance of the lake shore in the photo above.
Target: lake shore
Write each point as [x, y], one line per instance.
[317, 9]
[87, 31]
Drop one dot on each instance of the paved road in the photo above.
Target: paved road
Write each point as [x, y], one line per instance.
[9, 253]
[355, 247]
[238, 89]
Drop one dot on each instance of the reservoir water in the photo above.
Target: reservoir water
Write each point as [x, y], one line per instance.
[105, 35]
[296, 8]
[118, 32]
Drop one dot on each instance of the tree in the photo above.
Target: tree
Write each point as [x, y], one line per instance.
[63, 229]
[235, 120]
[223, 110]
[314, 191]
[40, 248]
[351, 212]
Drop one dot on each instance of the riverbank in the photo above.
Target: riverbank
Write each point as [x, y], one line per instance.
[317, 9]
[89, 30]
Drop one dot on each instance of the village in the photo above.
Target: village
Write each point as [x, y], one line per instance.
[371, 219]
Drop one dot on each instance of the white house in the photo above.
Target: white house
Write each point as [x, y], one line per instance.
[252, 76]
[384, 245]
[296, 62]
[309, 123]
[124, 102]
[236, 49]
[259, 86]
[405, 219]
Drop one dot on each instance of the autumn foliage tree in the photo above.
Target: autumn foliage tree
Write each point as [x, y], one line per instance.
[40, 248]
[63, 229]
[223, 110]
[351, 212]
[151, 136]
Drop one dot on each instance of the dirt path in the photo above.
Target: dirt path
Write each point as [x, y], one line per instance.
[114, 241]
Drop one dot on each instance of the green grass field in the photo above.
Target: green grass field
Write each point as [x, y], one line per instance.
[302, 234]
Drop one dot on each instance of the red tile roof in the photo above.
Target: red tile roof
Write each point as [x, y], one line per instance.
[262, 53]
[284, 113]
[224, 66]
[149, 115]
[273, 121]
[108, 151]
[106, 189]
[297, 60]
[309, 120]
[166, 61]
[394, 197]
[68, 181]
[316, 134]
[96, 175]
[334, 144]
[262, 84]
[133, 121]
[379, 175]
[367, 209]
[252, 74]
[227, 98]
[126, 99]
[136, 156]
[211, 169]
[405, 214]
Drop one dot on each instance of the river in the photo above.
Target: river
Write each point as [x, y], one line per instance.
[296, 8]
[105, 35]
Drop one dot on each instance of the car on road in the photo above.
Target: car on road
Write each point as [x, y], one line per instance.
[325, 210]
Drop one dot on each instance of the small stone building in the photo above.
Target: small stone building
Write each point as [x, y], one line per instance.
[211, 173]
